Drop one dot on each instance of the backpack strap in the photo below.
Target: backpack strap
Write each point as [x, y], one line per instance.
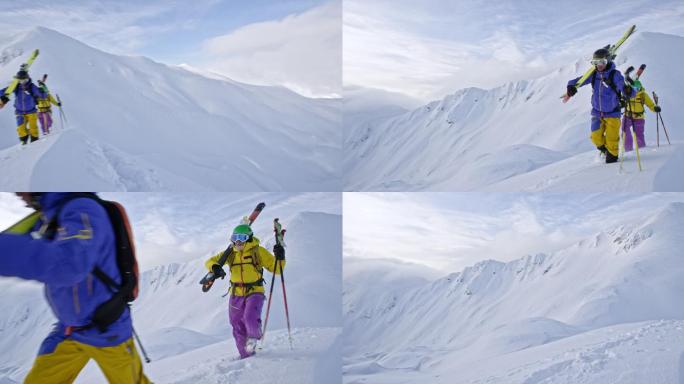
[610, 82]
[257, 266]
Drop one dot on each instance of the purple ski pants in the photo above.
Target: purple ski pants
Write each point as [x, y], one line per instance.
[45, 119]
[638, 130]
[245, 317]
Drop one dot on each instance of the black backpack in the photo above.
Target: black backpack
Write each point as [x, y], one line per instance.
[124, 293]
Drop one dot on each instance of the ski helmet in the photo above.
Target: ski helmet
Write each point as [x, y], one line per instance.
[22, 74]
[242, 233]
[637, 85]
[602, 53]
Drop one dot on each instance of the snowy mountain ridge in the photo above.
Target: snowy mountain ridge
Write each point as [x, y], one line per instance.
[476, 139]
[134, 124]
[625, 275]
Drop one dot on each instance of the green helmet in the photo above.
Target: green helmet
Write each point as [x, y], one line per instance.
[242, 233]
[637, 85]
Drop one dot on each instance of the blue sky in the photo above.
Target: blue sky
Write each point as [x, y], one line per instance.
[431, 48]
[177, 227]
[225, 36]
[450, 231]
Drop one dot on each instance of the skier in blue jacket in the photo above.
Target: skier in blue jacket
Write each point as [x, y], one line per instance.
[608, 86]
[26, 95]
[65, 262]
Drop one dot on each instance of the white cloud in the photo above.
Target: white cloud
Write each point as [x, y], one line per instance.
[433, 48]
[301, 51]
[116, 29]
[450, 231]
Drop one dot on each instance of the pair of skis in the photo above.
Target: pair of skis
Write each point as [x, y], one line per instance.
[24, 67]
[612, 53]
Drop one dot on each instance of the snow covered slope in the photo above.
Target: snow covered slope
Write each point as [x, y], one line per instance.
[474, 139]
[186, 332]
[579, 315]
[134, 124]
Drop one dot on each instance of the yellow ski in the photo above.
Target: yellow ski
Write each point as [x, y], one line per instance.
[25, 67]
[612, 49]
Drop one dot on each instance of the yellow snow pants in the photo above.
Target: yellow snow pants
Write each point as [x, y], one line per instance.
[120, 364]
[30, 120]
[606, 131]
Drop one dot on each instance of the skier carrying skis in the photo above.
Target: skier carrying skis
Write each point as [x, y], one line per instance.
[67, 256]
[608, 85]
[45, 108]
[246, 263]
[25, 95]
[635, 115]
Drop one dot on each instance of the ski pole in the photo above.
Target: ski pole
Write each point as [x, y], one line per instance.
[659, 117]
[622, 148]
[287, 312]
[62, 117]
[142, 349]
[280, 233]
[658, 129]
[636, 147]
[664, 129]
[268, 306]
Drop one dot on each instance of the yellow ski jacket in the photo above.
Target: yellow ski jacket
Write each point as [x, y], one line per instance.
[247, 267]
[636, 104]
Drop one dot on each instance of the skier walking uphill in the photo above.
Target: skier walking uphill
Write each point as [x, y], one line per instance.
[69, 243]
[45, 108]
[246, 263]
[25, 100]
[608, 84]
[634, 114]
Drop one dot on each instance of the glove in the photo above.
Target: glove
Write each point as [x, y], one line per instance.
[572, 90]
[628, 90]
[59, 104]
[279, 252]
[4, 99]
[657, 109]
[218, 271]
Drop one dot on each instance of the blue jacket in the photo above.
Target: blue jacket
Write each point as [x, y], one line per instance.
[604, 100]
[84, 240]
[25, 98]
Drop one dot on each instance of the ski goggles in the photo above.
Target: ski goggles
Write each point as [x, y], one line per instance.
[239, 237]
[23, 81]
[599, 61]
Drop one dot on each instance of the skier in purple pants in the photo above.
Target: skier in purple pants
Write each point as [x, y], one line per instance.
[635, 114]
[246, 262]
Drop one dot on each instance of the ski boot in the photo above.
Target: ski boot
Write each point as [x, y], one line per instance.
[250, 345]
